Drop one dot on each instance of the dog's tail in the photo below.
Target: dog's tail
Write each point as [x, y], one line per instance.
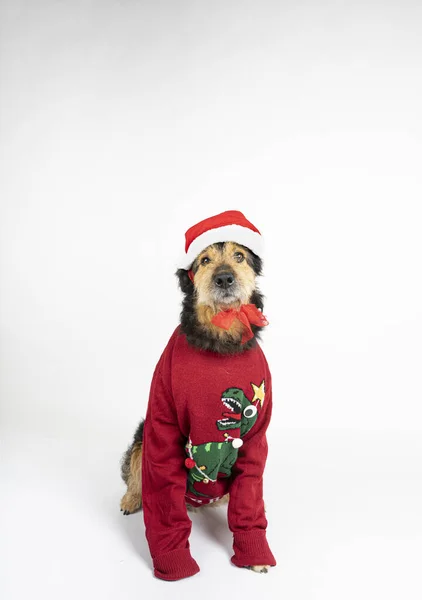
[126, 458]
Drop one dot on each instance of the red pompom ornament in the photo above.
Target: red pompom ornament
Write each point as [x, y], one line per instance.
[190, 463]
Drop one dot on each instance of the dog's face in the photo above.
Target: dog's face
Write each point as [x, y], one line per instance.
[225, 274]
[224, 277]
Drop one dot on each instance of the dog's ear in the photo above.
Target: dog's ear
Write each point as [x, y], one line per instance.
[185, 283]
[254, 261]
[256, 264]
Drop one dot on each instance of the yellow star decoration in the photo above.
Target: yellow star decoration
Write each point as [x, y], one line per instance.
[259, 392]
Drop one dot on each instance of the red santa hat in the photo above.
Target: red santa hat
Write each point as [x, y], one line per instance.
[228, 226]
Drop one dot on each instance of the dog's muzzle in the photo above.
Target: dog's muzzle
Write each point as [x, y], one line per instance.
[224, 280]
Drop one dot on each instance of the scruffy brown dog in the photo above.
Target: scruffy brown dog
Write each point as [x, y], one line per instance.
[221, 317]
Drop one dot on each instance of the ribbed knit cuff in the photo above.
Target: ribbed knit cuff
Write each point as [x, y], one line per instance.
[251, 548]
[175, 565]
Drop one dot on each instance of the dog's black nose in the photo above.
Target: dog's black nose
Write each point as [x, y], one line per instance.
[224, 280]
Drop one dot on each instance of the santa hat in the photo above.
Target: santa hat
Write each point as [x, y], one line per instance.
[228, 226]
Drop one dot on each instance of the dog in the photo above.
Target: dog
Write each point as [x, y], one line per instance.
[221, 320]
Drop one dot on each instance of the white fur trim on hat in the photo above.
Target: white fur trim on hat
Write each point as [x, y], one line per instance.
[228, 233]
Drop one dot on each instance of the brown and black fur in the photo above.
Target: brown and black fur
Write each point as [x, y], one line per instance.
[201, 301]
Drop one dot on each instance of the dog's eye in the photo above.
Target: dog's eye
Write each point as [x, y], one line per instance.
[205, 260]
[249, 412]
[239, 256]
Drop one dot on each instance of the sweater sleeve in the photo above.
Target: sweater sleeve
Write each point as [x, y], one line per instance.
[246, 511]
[167, 524]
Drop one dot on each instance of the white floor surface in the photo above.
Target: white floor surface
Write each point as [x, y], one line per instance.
[344, 511]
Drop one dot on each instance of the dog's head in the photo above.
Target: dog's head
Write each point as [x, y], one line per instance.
[224, 275]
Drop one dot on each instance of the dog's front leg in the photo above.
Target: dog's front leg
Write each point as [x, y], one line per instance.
[246, 511]
[164, 477]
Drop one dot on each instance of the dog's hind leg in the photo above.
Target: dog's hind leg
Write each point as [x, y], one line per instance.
[132, 475]
[131, 471]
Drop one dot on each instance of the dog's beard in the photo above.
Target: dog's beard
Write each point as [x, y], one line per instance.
[221, 299]
[229, 296]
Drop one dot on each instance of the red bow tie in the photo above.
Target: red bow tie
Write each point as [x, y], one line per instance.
[247, 314]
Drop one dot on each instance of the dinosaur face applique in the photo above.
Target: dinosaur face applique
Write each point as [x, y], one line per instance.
[215, 459]
[238, 413]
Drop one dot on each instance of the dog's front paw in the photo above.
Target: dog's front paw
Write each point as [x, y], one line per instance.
[260, 568]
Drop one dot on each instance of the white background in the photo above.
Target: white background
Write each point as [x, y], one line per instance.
[122, 124]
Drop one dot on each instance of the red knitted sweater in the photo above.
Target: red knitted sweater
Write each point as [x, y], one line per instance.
[204, 436]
